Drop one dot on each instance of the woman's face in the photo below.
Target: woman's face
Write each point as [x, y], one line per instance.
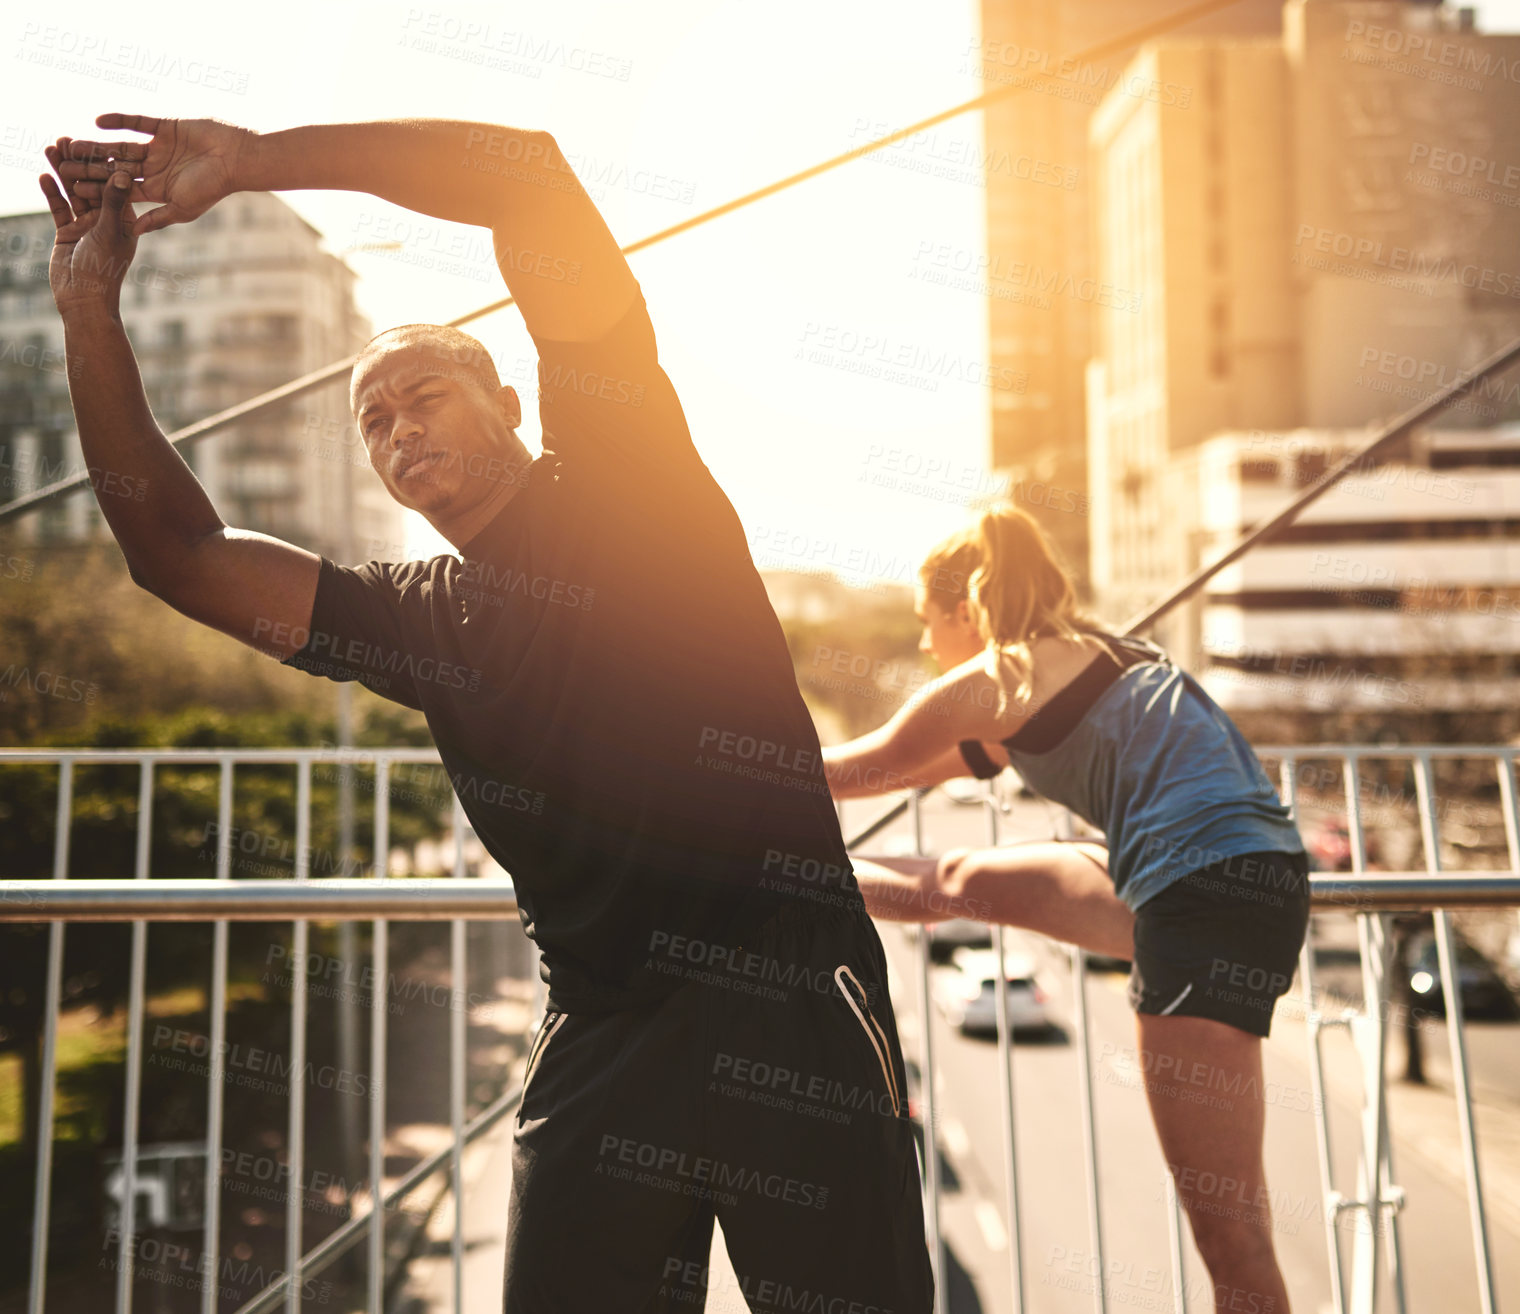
[950, 635]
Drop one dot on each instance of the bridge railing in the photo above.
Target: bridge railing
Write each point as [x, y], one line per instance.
[1372, 1200]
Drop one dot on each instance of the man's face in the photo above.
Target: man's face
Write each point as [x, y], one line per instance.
[438, 440]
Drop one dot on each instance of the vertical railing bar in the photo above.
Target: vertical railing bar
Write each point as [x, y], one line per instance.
[224, 819]
[1351, 784]
[1511, 808]
[296, 1137]
[53, 1001]
[1312, 1025]
[1089, 1124]
[1174, 1228]
[211, 1231]
[1006, 1090]
[378, 1040]
[1371, 941]
[1504, 764]
[926, 1083]
[457, 1039]
[133, 1075]
[1384, 1175]
[1456, 1035]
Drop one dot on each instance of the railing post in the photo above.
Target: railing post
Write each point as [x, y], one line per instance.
[295, 1212]
[52, 1002]
[1005, 1085]
[935, 1241]
[1314, 1025]
[1085, 1090]
[458, 1034]
[133, 1077]
[1174, 1234]
[1089, 1124]
[1376, 1194]
[211, 1229]
[1451, 990]
[378, 1040]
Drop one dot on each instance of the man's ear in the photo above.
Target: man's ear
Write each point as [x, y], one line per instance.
[511, 407]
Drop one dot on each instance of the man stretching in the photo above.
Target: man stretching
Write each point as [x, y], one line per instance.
[613, 699]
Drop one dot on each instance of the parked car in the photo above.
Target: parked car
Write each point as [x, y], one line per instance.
[968, 996]
[1329, 846]
[1485, 996]
[948, 936]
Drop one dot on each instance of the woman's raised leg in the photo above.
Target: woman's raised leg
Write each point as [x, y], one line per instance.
[1060, 889]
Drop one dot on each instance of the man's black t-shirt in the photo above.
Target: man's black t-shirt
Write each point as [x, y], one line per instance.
[609, 689]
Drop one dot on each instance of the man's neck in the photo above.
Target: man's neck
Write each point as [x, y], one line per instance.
[461, 529]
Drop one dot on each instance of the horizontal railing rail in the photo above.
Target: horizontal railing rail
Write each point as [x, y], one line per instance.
[341, 898]
[338, 898]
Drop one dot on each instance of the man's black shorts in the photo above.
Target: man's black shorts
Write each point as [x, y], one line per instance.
[768, 1091]
[1222, 942]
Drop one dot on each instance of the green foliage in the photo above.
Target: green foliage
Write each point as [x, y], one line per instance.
[88, 660]
[81, 645]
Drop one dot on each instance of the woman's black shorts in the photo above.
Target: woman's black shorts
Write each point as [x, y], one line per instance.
[1223, 942]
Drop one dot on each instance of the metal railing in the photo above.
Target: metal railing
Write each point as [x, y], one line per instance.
[1373, 1200]
[61, 900]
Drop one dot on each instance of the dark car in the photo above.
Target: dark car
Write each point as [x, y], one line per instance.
[946, 937]
[1329, 846]
[1485, 996]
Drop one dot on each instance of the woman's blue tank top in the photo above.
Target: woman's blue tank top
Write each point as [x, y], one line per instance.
[1161, 769]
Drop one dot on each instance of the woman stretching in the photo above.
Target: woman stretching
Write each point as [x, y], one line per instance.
[1205, 884]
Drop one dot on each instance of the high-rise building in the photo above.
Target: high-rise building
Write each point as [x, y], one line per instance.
[1194, 209]
[1390, 599]
[1325, 236]
[219, 310]
[1042, 284]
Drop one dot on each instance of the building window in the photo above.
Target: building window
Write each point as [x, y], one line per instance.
[1219, 338]
[1309, 467]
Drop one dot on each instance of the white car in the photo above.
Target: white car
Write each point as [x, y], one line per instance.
[968, 999]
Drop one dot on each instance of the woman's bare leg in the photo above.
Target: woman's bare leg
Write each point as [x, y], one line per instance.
[1204, 1084]
[1061, 890]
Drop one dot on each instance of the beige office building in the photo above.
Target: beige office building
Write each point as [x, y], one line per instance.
[1042, 283]
[1326, 234]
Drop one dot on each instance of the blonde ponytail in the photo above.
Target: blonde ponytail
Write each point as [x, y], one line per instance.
[1016, 589]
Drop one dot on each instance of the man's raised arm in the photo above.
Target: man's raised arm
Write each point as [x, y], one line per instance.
[554, 250]
[257, 589]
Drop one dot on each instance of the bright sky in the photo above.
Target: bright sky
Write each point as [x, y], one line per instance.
[765, 318]
[667, 109]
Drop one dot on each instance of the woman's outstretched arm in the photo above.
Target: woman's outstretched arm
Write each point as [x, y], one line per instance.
[919, 746]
